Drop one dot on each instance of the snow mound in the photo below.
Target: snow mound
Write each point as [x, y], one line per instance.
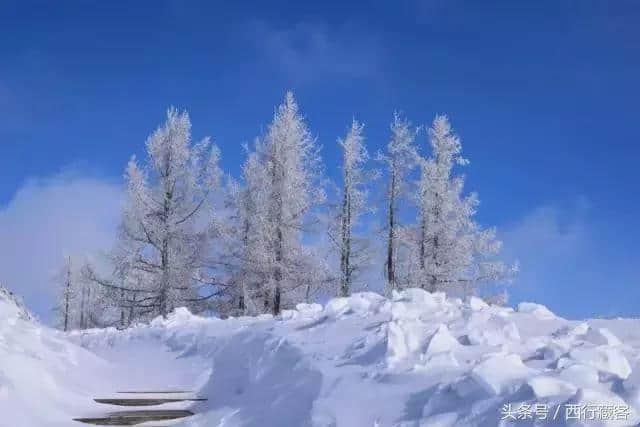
[363, 304]
[540, 311]
[604, 358]
[545, 386]
[441, 341]
[416, 359]
[501, 373]
[477, 304]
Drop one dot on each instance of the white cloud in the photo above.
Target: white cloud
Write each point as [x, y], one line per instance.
[547, 232]
[556, 248]
[307, 51]
[575, 264]
[68, 214]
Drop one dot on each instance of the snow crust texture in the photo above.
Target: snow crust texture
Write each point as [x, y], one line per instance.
[416, 359]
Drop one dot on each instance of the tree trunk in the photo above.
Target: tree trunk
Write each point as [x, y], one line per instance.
[66, 296]
[165, 278]
[276, 301]
[278, 273]
[82, 304]
[242, 300]
[267, 301]
[276, 182]
[164, 286]
[87, 305]
[391, 273]
[435, 257]
[423, 236]
[345, 241]
[122, 308]
[434, 279]
[131, 311]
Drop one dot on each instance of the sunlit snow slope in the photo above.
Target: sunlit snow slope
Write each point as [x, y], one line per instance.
[416, 360]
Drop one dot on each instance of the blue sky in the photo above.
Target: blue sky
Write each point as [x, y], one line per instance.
[544, 95]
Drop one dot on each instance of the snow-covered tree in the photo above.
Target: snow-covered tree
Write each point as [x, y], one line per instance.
[88, 305]
[246, 254]
[399, 160]
[281, 179]
[165, 230]
[352, 205]
[454, 252]
[80, 303]
[66, 301]
[117, 298]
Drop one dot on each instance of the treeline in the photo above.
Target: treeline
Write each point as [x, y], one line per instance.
[191, 237]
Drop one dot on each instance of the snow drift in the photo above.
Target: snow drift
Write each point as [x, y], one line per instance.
[11, 303]
[417, 359]
[43, 377]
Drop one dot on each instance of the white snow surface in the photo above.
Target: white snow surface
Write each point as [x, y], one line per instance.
[417, 359]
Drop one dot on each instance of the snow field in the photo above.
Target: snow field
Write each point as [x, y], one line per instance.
[416, 359]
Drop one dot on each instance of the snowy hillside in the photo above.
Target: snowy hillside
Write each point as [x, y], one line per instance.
[416, 360]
